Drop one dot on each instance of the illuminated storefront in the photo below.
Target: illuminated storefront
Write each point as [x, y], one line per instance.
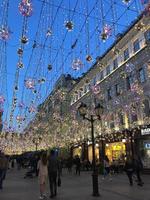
[115, 151]
[90, 153]
[143, 146]
[77, 151]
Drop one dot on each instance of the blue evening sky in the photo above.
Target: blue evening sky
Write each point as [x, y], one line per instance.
[56, 49]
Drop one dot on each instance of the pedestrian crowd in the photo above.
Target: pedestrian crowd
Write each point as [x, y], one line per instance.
[47, 166]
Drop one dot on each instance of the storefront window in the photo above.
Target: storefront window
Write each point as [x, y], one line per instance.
[90, 155]
[116, 151]
[145, 153]
[77, 151]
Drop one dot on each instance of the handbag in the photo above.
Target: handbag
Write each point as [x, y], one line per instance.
[59, 182]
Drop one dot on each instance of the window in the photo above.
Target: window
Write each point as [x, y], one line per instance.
[102, 75]
[109, 94]
[129, 81]
[142, 75]
[117, 89]
[136, 45]
[148, 35]
[126, 54]
[107, 70]
[115, 63]
[146, 108]
[121, 118]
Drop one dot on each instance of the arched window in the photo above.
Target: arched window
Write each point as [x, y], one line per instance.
[146, 108]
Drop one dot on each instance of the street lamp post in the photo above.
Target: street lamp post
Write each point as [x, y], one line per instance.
[83, 112]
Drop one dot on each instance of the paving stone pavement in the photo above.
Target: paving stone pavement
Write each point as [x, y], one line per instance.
[75, 188]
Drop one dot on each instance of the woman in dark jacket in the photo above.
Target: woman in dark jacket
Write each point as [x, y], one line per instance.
[129, 169]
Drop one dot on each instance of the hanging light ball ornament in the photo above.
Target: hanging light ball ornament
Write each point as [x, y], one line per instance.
[26, 8]
[49, 67]
[20, 51]
[88, 58]
[126, 1]
[30, 83]
[24, 39]
[106, 32]
[69, 25]
[4, 33]
[20, 65]
[2, 99]
[77, 64]
[49, 33]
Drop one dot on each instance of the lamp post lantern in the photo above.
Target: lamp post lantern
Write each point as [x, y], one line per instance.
[83, 112]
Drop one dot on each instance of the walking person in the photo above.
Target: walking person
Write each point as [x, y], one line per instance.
[106, 168]
[129, 169]
[138, 167]
[43, 174]
[53, 172]
[2, 169]
[78, 165]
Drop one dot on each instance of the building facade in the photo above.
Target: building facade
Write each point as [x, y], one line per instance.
[120, 82]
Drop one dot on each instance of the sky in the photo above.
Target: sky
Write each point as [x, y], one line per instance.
[50, 43]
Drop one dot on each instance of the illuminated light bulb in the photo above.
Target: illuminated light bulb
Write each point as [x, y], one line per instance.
[24, 39]
[49, 32]
[20, 51]
[89, 58]
[20, 65]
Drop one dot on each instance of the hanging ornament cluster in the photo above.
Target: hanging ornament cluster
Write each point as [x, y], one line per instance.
[2, 99]
[69, 25]
[77, 64]
[26, 8]
[4, 33]
[106, 33]
[30, 83]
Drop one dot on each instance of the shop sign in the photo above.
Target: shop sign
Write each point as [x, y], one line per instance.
[145, 131]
